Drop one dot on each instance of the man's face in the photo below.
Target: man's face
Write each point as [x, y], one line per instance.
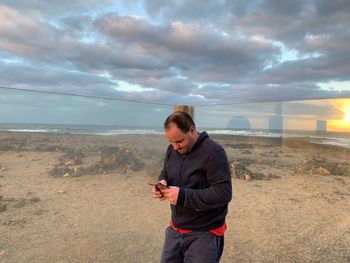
[181, 142]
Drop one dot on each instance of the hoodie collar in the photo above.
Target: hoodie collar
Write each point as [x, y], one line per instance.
[202, 136]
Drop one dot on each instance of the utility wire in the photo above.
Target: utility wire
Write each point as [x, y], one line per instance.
[251, 101]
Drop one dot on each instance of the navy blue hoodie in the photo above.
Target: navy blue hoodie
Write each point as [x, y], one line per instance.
[204, 178]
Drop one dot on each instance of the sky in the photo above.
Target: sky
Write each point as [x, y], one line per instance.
[42, 108]
[178, 52]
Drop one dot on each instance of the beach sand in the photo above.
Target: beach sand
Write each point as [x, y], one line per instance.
[84, 198]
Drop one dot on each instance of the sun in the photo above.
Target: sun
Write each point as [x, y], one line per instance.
[343, 123]
[346, 117]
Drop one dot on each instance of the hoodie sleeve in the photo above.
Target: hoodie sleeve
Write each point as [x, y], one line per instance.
[219, 192]
[163, 174]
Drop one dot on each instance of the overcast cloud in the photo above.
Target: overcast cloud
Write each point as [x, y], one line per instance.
[178, 52]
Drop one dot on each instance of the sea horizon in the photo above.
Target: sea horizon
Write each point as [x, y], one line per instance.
[332, 138]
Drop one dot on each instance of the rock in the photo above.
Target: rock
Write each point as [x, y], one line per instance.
[72, 159]
[129, 169]
[239, 170]
[259, 176]
[61, 191]
[6, 147]
[1, 197]
[8, 222]
[20, 203]
[70, 162]
[3, 207]
[78, 171]
[151, 153]
[60, 170]
[248, 177]
[34, 199]
[10, 199]
[50, 148]
[324, 171]
[40, 212]
[322, 166]
[109, 160]
[114, 158]
[272, 176]
[273, 154]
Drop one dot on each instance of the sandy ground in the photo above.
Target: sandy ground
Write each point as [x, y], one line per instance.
[101, 209]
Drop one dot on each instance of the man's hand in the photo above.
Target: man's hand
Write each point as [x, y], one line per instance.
[156, 193]
[171, 194]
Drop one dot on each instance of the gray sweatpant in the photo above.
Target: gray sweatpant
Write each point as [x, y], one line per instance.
[194, 247]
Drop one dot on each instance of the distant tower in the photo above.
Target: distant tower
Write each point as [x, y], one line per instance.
[321, 126]
[276, 121]
[278, 108]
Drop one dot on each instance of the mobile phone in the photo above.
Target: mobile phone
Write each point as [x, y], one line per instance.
[159, 186]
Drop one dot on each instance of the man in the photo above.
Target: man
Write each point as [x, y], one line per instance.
[197, 172]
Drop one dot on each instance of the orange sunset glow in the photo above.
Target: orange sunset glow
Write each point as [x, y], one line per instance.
[341, 125]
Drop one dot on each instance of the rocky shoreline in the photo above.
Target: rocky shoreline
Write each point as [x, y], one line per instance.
[86, 188]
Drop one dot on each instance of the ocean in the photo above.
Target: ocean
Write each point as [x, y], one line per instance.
[331, 138]
[78, 129]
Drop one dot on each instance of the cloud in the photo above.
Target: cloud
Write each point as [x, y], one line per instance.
[305, 71]
[21, 34]
[50, 78]
[177, 52]
[189, 47]
[266, 93]
[56, 7]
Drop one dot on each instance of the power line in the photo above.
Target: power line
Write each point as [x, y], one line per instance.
[86, 96]
[251, 101]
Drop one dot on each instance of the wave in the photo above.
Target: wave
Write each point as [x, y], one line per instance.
[245, 133]
[79, 129]
[32, 130]
[129, 132]
[345, 143]
[111, 131]
[336, 141]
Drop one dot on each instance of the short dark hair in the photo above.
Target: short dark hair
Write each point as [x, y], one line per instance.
[182, 120]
